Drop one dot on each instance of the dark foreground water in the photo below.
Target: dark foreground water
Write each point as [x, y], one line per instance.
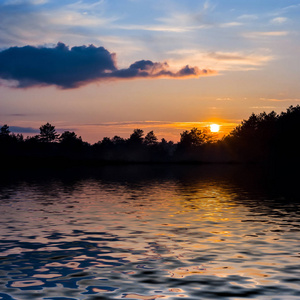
[140, 232]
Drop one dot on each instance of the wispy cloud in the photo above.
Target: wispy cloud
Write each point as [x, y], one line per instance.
[14, 115]
[290, 7]
[32, 130]
[222, 61]
[19, 129]
[230, 24]
[281, 100]
[177, 22]
[159, 28]
[71, 18]
[236, 57]
[279, 20]
[248, 17]
[25, 22]
[71, 68]
[175, 27]
[155, 124]
[224, 99]
[132, 124]
[263, 107]
[260, 34]
[20, 2]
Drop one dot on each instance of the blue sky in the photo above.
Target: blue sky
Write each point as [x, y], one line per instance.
[251, 47]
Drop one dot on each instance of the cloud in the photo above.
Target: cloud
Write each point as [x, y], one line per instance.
[54, 66]
[222, 61]
[159, 28]
[19, 129]
[278, 20]
[291, 7]
[248, 17]
[227, 56]
[149, 69]
[263, 107]
[26, 22]
[265, 34]
[19, 2]
[224, 99]
[132, 124]
[154, 124]
[70, 68]
[230, 24]
[14, 115]
[31, 130]
[280, 100]
[236, 59]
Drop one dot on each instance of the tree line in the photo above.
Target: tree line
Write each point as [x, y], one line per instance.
[261, 138]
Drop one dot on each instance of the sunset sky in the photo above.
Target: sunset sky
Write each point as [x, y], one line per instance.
[103, 68]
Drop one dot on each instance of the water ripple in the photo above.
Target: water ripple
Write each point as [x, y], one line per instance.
[202, 236]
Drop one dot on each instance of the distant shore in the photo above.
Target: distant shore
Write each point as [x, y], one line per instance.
[261, 139]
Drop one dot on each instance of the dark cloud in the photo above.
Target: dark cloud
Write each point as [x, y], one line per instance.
[19, 129]
[55, 66]
[149, 69]
[152, 123]
[14, 115]
[71, 68]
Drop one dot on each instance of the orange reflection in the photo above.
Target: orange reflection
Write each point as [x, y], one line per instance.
[27, 283]
[187, 271]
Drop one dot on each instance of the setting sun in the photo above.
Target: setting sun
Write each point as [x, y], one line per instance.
[214, 127]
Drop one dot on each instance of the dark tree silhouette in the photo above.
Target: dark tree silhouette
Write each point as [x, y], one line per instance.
[68, 137]
[71, 146]
[196, 137]
[150, 139]
[4, 131]
[267, 137]
[261, 138]
[136, 137]
[106, 141]
[117, 140]
[48, 133]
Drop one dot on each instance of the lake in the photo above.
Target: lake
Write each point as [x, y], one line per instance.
[150, 232]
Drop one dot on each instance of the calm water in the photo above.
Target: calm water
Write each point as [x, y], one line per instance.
[150, 233]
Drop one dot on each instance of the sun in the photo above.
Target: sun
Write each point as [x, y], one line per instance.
[214, 127]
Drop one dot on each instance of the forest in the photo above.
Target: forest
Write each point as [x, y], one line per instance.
[262, 138]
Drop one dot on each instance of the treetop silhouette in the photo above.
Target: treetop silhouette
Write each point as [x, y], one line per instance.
[260, 138]
[48, 133]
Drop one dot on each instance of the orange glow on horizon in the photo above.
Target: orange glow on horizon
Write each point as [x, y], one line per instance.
[168, 130]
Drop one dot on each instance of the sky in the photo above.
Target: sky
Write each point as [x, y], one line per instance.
[103, 68]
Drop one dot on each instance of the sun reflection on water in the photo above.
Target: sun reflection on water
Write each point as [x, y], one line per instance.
[196, 237]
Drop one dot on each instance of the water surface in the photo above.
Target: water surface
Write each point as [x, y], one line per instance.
[140, 232]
